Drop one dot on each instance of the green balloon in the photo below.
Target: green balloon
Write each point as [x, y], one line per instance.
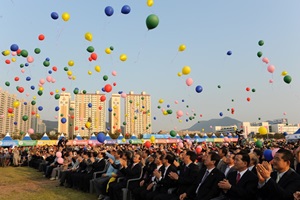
[258, 144]
[135, 117]
[75, 91]
[37, 50]
[261, 42]
[130, 101]
[130, 141]
[21, 65]
[111, 48]
[84, 91]
[169, 112]
[66, 69]
[46, 63]
[33, 103]
[253, 90]
[219, 86]
[173, 133]
[7, 83]
[158, 107]
[232, 100]
[24, 53]
[259, 118]
[259, 54]
[105, 77]
[57, 96]
[25, 118]
[287, 79]
[142, 98]
[40, 92]
[124, 123]
[90, 49]
[152, 21]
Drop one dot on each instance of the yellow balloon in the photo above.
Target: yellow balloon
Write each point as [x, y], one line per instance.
[203, 130]
[37, 115]
[254, 139]
[71, 63]
[73, 77]
[34, 97]
[16, 104]
[181, 47]
[88, 36]
[115, 107]
[88, 124]
[126, 115]
[150, 3]
[180, 121]
[160, 101]
[142, 140]
[97, 68]
[41, 88]
[57, 91]
[107, 50]
[123, 57]
[65, 16]
[152, 138]
[6, 52]
[263, 130]
[179, 74]
[89, 72]
[69, 73]
[12, 114]
[165, 112]
[284, 73]
[186, 70]
[13, 59]
[123, 140]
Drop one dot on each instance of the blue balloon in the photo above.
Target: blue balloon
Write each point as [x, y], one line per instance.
[28, 78]
[221, 114]
[32, 87]
[120, 92]
[14, 47]
[25, 103]
[109, 11]
[186, 120]
[108, 128]
[49, 72]
[26, 64]
[109, 109]
[101, 137]
[47, 59]
[199, 88]
[168, 106]
[229, 53]
[63, 120]
[103, 90]
[154, 118]
[285, 133]
[125, 9]
[54, 15]
[82, 128]
[15, 123]
[40, 108]
[56, 108]
[268, 155]
[182, 100]
[90, 105]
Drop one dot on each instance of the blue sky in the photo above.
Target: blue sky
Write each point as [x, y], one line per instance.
[208, 29]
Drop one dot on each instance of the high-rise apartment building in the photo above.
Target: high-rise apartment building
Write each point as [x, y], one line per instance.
[115, 113]
[138, 113]
[63, 113]
[89, 108]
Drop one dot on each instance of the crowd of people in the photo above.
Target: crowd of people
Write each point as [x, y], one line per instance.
[166, 171]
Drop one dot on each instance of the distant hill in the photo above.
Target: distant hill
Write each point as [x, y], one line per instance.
[50, 125]
[225, 121]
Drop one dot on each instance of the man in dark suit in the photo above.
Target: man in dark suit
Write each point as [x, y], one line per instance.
[206, 185]
[253, 162]
[241, 184]
[279, 184]
[185, 179]
[229, 164]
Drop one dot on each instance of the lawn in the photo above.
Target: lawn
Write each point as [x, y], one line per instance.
[24, 183]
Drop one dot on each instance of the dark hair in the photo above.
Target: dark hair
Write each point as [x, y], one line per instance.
[214, 157]
[245, 157]
[224, 150]
[192, 155]
[120, 153]
[169, 157]
[286, 155]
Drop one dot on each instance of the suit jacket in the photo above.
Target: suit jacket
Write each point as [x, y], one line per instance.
[232, 169]
[209, 188]
[245, 189]
[166, 182]
[148, 172]
[222, 166]
[98, 165]
[284, 189]
[132, 172]
[254, 170]
[187, 177]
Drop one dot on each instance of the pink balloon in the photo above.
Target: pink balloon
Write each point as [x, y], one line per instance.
[27, 94]
[42, 81]
[284, 113]
[274, 151]
[114, 73]
[179, 113]
[22, 70]
[271, 68]
[30, 59]
[265, 60]
[176, 102]
[1, 116]
[123, 95]
[189, 81]
[58, 154]
[70, 77]
[270, 81]
[30, 131]
[180, 144]
[60, 160]
[53, 80]
[198, 149]
[49, 78]
[55, 117]
[13, 53]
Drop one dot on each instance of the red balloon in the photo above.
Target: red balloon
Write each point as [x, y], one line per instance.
[147, 144]
[51, 93]
[90, 59]
[72, 117]
[102, 98]
[100, 107]
[32, 112]
[17, 78]
[107, 88]
[248, 99]
[41, 37]
[114, 84]
[94, 56]
[10, 110]
[54, 68]
[76, 128]
[21, 89]
[198, 149]
[7, 61]
[247, 89]
[63, 89]
[19, 51]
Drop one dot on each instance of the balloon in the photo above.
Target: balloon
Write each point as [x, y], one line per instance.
[60, 161]
[109, 11]
[90, 105]
[58, 154]
[265, 60]
[189, 81]
[253, 90]
[57, 108]
[40, 108]
[123, 95]
[107, 88]
[21, 89]
[123, 57]
[247, 89]
[268, 155]
[65, 16]
[173, 133]
[88, 36]
[229, 53]
[186, 70]
[114, 73]
[259, 54]
[63, 120]
[14, 47]
[54, 15]
[94, 56]
[150, 3]
[283, 73]
[101, 137]
[160, 101]
[258, 144]
[30, 131]
[274, 151]
[30, 59]
[7, 61]
[24, 53]
[271, 68]
[16, 104]
[152, 21]
[179, 113]
[54, 68]
[221, 114]
[102, 98]
[41, 37]
[261, 42]
[88, 124]
[147, 144]
[97, 68]
[107, 51]
[270, 81]
[181, 47]
[180, 144]
[287, 79]
[125, 9]
[152, 138]
[199, 89]
[248, 99]
[198, 149]
[263, 130]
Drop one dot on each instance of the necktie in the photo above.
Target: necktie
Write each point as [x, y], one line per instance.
[238, 177]
[203, 179]
[278, 178]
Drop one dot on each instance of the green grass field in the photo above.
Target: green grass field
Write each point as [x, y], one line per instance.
[24, 183]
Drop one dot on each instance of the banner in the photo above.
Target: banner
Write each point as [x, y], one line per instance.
[47, 142]
[27, 142]
[7, 143]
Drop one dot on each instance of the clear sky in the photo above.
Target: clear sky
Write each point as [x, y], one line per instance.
[209, 29]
